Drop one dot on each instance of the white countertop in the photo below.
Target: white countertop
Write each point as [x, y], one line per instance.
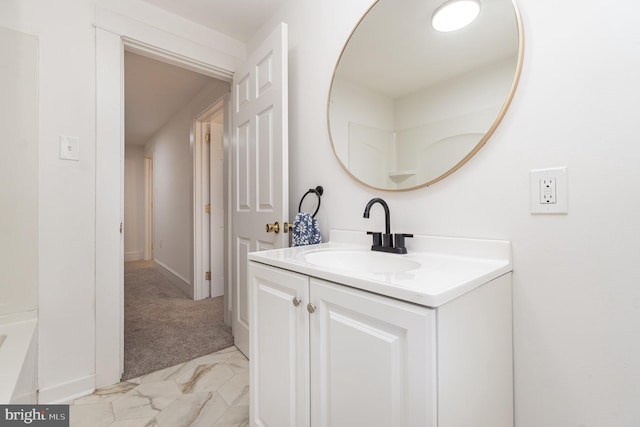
[448, 266]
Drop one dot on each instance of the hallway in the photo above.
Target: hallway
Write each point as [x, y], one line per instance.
[163, 327]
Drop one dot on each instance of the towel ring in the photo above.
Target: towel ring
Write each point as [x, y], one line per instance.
[318, 191]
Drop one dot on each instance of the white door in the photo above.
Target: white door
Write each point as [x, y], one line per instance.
[372, 359]
[109, 209]
[259, 165]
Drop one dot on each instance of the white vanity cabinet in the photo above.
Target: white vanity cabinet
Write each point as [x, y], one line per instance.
[325, 354]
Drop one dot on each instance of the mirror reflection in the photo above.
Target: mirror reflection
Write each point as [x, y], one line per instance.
[410, 104]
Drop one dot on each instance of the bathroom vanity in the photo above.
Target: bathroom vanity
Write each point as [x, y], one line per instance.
[343, 336]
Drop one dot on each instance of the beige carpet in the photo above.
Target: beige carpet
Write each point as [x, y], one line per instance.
[162, 327]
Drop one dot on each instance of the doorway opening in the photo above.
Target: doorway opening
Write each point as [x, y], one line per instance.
[168, 318]
[266, 68]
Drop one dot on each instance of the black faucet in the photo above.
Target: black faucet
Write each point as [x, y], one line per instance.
[384, 242]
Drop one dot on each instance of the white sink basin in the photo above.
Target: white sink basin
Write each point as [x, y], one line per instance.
[361, 261]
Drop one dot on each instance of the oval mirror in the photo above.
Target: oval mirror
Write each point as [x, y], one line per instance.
[408, 104]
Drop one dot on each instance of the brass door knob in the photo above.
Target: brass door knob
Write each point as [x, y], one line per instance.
[275, 227]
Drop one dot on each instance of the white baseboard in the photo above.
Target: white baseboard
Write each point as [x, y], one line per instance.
[176, 279]
[133, 256]
[25, 399]
[66, 392]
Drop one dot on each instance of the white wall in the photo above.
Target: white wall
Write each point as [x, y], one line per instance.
[173, 185]
[18, 172]
[576, 281]
[134, 184]
[66, 188]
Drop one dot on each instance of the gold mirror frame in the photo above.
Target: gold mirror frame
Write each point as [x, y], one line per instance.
[477, 147]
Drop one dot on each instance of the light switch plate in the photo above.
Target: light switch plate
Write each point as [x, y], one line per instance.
[548, 192]
[69, 147]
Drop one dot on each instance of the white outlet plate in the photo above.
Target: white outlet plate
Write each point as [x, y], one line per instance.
[69, 147]
[548, 191]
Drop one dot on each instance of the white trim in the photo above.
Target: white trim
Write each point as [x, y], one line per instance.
[143, 49]
[219, 55]
[201, 225]
[133, 256]
[218, 195]
[228, 261]
[175, 278]
[66, 392]
[148, 207]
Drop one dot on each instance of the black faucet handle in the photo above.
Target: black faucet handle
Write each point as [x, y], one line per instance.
[377, 238]
[400, 240]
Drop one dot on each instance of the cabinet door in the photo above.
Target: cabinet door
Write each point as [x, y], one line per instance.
[372, 360]
[279, 349]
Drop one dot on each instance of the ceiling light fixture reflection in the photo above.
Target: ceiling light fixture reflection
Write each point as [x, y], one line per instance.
[455, 14]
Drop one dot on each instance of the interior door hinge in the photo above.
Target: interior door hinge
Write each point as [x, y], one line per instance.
[207, 275]
[207, 137]
[121, 226]
[207, 208]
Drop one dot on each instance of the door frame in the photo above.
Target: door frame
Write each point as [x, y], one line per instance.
[148, 206]
[115, 34]
[201, 221]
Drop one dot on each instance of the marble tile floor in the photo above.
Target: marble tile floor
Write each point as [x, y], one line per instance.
[211, 391]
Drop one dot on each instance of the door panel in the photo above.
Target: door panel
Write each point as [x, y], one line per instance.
[266, 166]
[260, 160]
[243, 167]
[375, 353]
[240, 310]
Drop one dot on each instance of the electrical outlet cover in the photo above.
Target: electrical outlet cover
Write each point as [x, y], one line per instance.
[69, 147]
[551, 198]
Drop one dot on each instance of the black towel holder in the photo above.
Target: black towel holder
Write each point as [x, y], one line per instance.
[318, 191]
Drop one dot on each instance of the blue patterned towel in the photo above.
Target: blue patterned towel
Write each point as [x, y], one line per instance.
[305, 230]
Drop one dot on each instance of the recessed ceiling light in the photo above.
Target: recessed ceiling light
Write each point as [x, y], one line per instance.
[455, 14]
